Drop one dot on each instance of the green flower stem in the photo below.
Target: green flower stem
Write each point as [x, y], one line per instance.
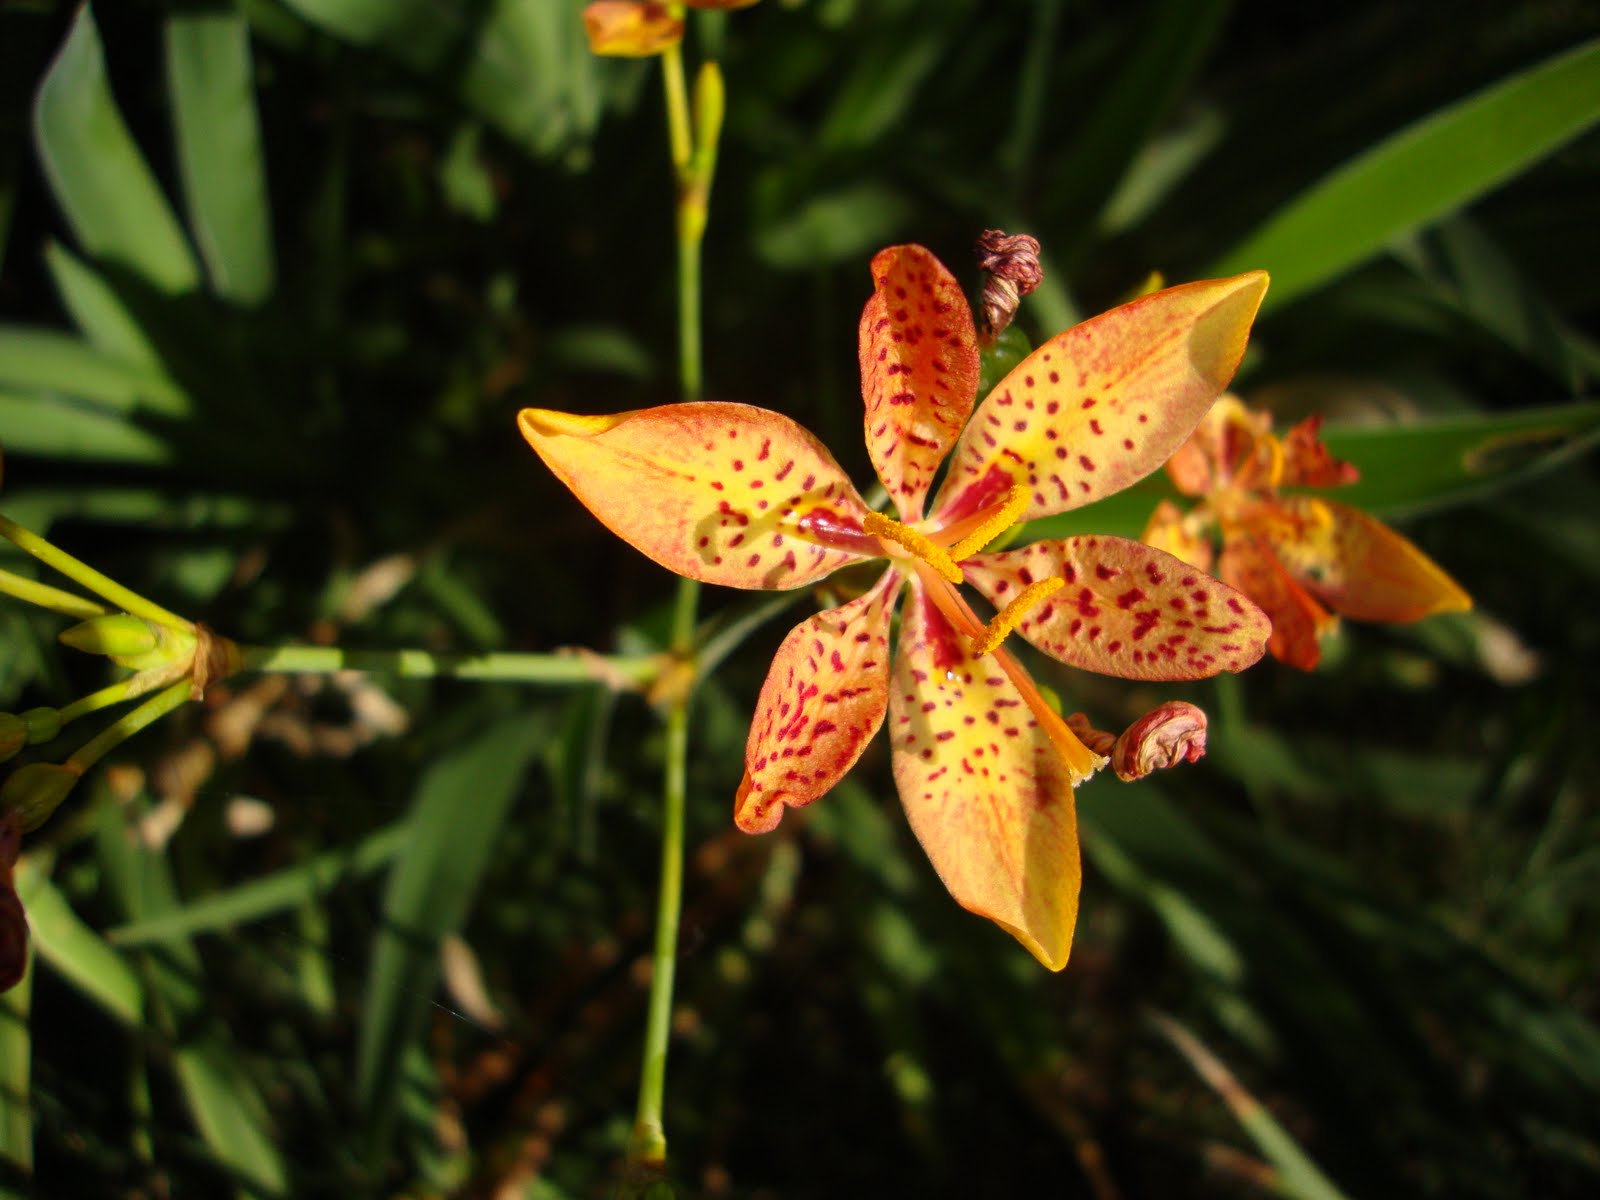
[694, 165]
[109, 589]
[125, 726]
[126, 689]
[42, 595]
[634, 670]
[677, 106]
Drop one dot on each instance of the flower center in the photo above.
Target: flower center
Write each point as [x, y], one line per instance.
[918, 544]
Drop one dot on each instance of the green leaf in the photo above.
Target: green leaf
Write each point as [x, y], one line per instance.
[1422, 173]
[16, 1062]
[1411, 468]
[219, 151]
[100, 179]
[222, 1096]
[523, 64]
[456, 816]
[73, 950]
[97, 309]
[54, 428]
[269, 895]
[1173, 40]
[48, 360]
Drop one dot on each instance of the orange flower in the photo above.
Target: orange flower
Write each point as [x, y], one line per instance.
[744, 497]
[640, 28]
[1296, 555]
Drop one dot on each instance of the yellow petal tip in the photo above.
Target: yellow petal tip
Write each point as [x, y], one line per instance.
[547, 422]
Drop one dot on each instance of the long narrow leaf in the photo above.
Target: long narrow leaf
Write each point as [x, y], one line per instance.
[455, 820]
[51, 361]
[1422, 173]
[269, 895]
[219, 150]
[61, 939]
[100, 179]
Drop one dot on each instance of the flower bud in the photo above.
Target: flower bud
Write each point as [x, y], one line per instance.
[116, 635]
[43, 724]
[13, 735]
[13, 923]
[35, 791]
[1013, 270]
[1165, 736]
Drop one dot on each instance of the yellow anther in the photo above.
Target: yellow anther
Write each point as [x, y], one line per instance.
[997, 522]
[880, 526]
[1009, 617]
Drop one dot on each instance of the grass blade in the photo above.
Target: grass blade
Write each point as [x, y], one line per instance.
[209, 76]
[100, 179]
[74, 950]
[1422, 173]
[455, 820]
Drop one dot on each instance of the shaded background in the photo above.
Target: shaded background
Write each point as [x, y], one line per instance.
[273, 284]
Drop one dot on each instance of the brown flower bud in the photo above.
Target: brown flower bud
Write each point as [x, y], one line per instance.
[1012, 265]
[1165, 736]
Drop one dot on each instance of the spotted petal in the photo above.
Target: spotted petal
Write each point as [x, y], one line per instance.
[1298, 621]
[1356, 564]
[1107, 402]
[823, 700]
[1126, 609]
[985, 789]
[723, 493]
[919, 370]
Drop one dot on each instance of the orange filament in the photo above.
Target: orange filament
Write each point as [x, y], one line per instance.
[881, 527]
[997, 522]
[1011, 615]
[1081, 762]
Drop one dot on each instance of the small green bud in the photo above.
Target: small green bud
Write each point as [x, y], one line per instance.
[116, 635]
[43, 724]
[13, 735]
[35, 791]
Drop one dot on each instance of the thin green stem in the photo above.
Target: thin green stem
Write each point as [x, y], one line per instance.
[125, 599]
[647, 1146]
[125, 726]
[626, 670]
[677, 107]
[130, 688]
[42, 595]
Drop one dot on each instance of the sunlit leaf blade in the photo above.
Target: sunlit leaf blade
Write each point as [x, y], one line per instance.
[1297, 1175]
[51, 361]
[460, 806]
[99, 178]
[1430, 169]
[54, 428]
[71, 948]
[97, 309]
[209, 76]
[1432, 464]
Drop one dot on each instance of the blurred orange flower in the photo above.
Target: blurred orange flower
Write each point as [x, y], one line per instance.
[640, 28]
[1297, 555]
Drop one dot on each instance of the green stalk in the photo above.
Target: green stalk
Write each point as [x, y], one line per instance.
[694, 165]
[42, 595]
[125, 726]
[631, 670]
[80, 572]
[126, 689]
